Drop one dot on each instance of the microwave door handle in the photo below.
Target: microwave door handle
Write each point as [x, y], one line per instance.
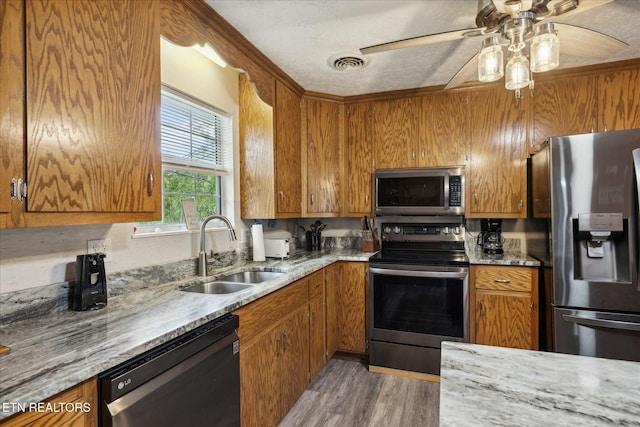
[636, 167]
[446, 191]
[413, 273]
[602, 323]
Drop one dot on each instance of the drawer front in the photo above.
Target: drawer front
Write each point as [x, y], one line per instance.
[316, 280]
[503, 278]
[265, 312]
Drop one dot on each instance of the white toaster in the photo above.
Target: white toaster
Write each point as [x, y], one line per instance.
[276, 248]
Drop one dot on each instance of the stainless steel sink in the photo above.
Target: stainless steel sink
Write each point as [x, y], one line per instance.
[251, 276]
[217, 287]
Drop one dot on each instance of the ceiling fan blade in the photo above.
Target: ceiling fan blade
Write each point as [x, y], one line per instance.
[467, 73]
[423, 40]
[578, 41]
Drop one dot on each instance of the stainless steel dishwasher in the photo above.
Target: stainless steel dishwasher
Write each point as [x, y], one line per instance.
[192, 380]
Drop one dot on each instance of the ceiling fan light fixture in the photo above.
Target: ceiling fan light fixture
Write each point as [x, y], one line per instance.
[490, 61]
[517, 72]
[545, 49]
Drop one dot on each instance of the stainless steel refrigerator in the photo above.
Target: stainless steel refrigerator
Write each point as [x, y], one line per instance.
[595, 243]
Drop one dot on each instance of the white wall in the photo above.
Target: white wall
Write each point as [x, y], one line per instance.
[42, 256]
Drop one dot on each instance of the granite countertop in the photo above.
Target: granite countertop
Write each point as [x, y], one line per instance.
[476, 256]
[53, 352]
[495, 386]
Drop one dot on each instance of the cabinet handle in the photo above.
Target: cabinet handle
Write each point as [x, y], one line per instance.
[521, 204]
[592, 130]
[482, 310]
[605, 128]
[312, 199]
[413, 154]
[532, 305]
[502, 280]
[149, 184]
[317, 286]
[366, 200]
[422, 153]
[277, 347]
[284, 341]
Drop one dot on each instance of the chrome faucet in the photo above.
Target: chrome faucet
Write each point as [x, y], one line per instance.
[202, 258]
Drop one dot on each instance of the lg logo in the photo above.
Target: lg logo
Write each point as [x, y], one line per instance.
[123, 384]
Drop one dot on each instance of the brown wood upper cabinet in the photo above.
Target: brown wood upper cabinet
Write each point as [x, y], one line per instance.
[395, 133]
[92, 101]
[497, 172]
[444, 130]
[270, 160]
[359, 160]
[323, 157]
[564, 106]
[619, 100]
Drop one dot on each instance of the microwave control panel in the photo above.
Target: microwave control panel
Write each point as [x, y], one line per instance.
[455, 190]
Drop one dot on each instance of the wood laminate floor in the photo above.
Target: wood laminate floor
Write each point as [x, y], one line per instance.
[346, 394]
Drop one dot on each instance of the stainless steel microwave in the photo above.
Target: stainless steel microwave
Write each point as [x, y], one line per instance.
[428, 191]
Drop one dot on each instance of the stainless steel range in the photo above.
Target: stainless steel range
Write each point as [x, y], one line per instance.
[418, 292]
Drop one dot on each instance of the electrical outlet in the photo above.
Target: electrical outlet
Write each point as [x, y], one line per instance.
[100, 246]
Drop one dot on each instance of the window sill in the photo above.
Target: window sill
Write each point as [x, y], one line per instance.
[161, 233]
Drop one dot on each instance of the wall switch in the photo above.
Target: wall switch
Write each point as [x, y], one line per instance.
[100, 246]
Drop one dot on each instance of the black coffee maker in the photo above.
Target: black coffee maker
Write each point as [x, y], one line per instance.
[490, 237]
[90, 288]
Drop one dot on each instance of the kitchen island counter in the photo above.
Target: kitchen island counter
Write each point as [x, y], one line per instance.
[495, 386]
[52, 352]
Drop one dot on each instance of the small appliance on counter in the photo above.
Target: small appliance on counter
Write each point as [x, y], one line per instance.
[277, 248]
[313, 236]
[490, 237]
[90, 289]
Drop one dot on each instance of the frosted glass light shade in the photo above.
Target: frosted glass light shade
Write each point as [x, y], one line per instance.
[517, 72]
[545, 51]
[490, 61]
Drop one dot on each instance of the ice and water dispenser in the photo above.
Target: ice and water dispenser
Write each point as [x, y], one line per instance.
[601, 247]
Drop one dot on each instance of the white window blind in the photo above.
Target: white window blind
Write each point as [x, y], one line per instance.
[194, 135]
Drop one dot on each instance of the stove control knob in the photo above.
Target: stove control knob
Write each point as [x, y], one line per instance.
[456, 230]
[445, 230]
[397, 229]
[387, 230]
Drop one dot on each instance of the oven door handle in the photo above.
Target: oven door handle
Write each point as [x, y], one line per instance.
[603, 323]
[457, 274]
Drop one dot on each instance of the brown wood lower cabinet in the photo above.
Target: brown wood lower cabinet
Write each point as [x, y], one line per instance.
[274, 354]
[346, 307]
[504, 306]
[84, 395]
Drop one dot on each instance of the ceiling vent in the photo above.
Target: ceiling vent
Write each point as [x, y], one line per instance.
[348, 62]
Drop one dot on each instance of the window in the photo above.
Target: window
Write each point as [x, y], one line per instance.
[196, 147]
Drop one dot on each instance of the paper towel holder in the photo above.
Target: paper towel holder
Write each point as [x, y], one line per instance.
[257, 237]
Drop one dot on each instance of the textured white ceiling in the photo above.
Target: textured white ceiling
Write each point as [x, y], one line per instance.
[302, 36]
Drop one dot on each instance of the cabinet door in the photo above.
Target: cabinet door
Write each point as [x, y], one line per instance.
[444, 130]
[288, 158]
[351, 308]
[359, 159]
[93, 96]
[256, 154]
[332, 277]
[11, 109]
[395, 132]
[323, 157]
[260, 381]
[294, 358]
[619, 100]
[505, 319]
[497, 176]
[564, 106]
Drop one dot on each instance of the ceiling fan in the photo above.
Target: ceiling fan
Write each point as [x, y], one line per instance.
[532, 42]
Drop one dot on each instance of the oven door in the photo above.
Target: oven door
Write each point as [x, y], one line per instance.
[418, 305]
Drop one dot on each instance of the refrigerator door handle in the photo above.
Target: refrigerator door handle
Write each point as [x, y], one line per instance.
[602, 323]
[636, 165]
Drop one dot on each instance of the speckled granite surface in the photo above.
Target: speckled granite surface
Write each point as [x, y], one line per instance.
[495, 386]
[476, 256]
[54, 351]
